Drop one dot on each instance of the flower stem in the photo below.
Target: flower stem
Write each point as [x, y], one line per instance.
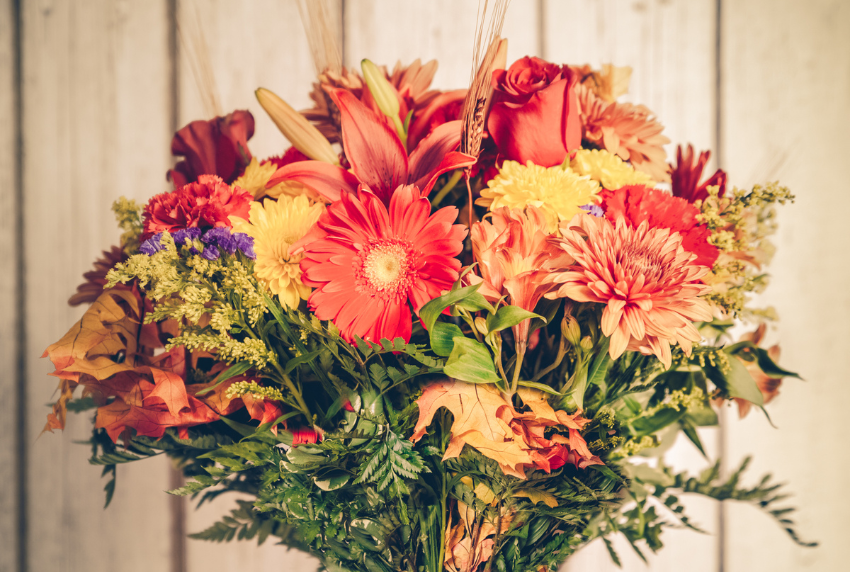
[450, 184]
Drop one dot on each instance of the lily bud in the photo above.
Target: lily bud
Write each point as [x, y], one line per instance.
[481, 325]
[296, 128]
[571, 330]
[586, 343]
[384, 94]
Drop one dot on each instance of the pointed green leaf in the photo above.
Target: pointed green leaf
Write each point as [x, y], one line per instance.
[471, 361]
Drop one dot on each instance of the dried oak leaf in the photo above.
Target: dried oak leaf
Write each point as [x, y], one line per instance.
[476, 421]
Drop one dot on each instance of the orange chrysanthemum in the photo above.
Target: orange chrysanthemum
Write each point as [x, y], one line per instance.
[627, 130]
[648, 282]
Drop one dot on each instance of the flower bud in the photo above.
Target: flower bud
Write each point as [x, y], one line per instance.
[381, 89]
[296, 128]
[586, 343]
[571, 330]
[384, 94]
[481, 325]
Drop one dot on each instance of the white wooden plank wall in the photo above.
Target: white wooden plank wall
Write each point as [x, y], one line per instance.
[10, 433]
[96, 124]
[785, 103]
[104, 84]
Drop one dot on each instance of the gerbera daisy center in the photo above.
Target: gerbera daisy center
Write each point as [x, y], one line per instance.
[387, 266]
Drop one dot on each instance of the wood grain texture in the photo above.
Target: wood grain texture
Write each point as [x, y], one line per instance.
[95, 126]
[387, 31]
[786, 89]
[9, 333]
[250, 44]
[670, 45]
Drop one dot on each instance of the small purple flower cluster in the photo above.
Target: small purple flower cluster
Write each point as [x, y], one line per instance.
[592, 209]
[214, 241]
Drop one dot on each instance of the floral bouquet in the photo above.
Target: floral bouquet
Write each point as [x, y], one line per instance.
[442, 331]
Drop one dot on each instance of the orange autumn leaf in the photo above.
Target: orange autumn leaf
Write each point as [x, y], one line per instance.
[151, 420]
[476, 420]
[487, 421]
[460, 555]
[86, 351]
[108, 327]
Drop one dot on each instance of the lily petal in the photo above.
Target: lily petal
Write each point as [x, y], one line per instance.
[326, 179]
[436, 155]
[375, 152]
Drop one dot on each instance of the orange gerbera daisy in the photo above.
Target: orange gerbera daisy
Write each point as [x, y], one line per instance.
[627, 130]
[369, 263]
[648, 282]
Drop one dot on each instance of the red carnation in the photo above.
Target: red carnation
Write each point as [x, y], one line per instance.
[204, 204]
[534, 116]
[215, 147]
[686, 173]
[637, 203]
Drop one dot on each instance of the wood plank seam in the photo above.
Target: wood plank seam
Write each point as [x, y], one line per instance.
[20, 456]
[718, 157]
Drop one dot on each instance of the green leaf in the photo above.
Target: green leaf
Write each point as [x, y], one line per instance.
[657, 422]
[231, 372]
[471, 361]
[305, 358]
[770, 367]
[540, 386]
[442, 338]
[691, 432]
[507, 317]
[431, 311]
[737, 382]
[333, 480]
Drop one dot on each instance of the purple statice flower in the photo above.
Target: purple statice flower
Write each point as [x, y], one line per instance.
[244, 243]
[210, 252]
[593, 209]
[152, 245]
[185, 235]
[220, 238]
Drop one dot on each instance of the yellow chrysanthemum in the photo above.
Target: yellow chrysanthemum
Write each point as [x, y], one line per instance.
[558, 191]
[275, 226]
[256, 177]
[611, 171]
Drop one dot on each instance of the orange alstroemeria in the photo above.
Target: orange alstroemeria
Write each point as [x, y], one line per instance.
[514, 256]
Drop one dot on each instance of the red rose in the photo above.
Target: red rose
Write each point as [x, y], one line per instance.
[534, 115]
[215, 147]
[204, 204]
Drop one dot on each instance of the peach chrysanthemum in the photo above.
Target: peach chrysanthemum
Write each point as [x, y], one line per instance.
[559, 192]
[627, 130]
[275, 226]
[611, 171]
[648, 282]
